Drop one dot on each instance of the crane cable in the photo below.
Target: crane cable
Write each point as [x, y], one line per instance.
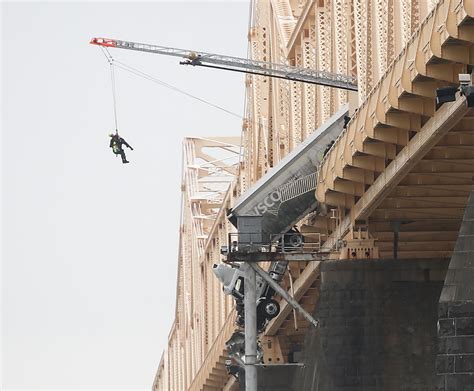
[119, 64]
[110, 60]
[137, 72]
[112, 74]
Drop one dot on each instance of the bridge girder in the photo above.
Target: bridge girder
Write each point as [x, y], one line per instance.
[428, 177]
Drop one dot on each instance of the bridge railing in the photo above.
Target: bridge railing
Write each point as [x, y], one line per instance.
[273, 243]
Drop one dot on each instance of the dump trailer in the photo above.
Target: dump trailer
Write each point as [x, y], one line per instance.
[266, 214]
[285, 194]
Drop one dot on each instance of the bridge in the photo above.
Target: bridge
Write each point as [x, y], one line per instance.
[401, 165]
[395, 183]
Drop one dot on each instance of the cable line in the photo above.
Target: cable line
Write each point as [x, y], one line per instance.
[137, 72]
[144, 75]
[110, 60]
[112, 74]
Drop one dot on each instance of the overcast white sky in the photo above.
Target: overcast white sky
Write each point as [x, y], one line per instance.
[89, 246]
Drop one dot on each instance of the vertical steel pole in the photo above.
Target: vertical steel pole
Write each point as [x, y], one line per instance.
[250, 308]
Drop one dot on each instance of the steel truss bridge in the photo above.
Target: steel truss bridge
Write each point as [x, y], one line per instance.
[402, 168]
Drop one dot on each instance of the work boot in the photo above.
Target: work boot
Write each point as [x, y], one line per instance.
[124, 158]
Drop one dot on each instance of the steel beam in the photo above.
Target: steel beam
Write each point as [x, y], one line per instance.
[250, 307]
[253, 257]
[278, 289]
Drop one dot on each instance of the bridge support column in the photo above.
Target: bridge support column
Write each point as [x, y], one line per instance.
[455, 361]
[377, 327]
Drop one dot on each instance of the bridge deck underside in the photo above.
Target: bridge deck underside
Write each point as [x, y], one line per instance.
[429, 202]
[402, 161]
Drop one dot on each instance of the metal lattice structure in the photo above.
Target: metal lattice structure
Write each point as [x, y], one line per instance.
[210, 166]
[245, 65]
[399, 159]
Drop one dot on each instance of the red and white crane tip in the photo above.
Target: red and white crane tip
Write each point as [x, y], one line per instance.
[104, 42]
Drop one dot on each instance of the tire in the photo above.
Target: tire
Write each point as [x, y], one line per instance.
[296, 240]
[271, 308]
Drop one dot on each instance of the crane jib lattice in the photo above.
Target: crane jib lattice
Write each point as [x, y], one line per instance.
[238, 64]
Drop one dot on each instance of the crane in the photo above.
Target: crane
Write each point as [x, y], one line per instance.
[237, 64]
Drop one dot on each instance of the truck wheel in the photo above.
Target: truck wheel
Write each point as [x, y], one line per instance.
[296, 240]
[271, 308]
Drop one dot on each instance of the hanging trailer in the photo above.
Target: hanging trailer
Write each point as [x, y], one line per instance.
[265, 216]
[285, 194]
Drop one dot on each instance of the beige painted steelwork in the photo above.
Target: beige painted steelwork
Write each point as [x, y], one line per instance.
[400, 163]
[204, 316]
[357, 37]
[400, 160]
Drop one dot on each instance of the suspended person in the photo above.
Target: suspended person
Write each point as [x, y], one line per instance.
[116, 143]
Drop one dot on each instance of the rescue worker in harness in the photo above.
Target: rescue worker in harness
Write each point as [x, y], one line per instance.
[116, 143]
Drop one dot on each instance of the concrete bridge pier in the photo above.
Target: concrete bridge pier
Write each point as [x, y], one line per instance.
[455, 361]
[378, 327]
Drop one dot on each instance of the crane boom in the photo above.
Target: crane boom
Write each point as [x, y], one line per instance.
[237, 64]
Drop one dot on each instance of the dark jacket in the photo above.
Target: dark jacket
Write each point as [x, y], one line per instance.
[116, 143]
